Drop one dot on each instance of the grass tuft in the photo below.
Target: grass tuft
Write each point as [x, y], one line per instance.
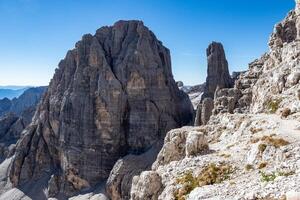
[210, 175]
[273, 105]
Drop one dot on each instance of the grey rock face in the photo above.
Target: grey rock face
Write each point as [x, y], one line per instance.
[147, 186]
[207, 107]
[204, 111]
[17, 115]
[5, 105]
[218, 77]
[285, 31]
[119, 183]
[29, 99]
[112, 95]
[217, 70]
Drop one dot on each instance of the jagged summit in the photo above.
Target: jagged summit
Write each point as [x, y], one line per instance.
[217, 70]
[112, 95]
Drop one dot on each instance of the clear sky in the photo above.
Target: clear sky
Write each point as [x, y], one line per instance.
[36, 34]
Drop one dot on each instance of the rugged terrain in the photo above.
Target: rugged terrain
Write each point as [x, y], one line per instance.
[249, 146]
[112, 124]
[112, 97]
[15, 115]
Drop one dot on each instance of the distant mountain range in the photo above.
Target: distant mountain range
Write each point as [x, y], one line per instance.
[11, 92]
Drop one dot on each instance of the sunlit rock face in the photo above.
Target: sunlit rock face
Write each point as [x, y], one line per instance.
[297, 6]
[112, 95]
[217, 70]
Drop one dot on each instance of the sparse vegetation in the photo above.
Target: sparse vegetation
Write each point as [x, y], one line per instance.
[276, 142]
[225, 155]
[249, 167]
[272, 176]
[262, 165]
[262, 147]
[285, 112]
[273, 105]
[210, 175]
[254, 140]
[254, 130]
[290, 173]
[189, 182]
[267, 177]
[271, 140]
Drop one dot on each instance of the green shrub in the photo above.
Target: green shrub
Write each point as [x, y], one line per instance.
[267, 177]
[273, 105]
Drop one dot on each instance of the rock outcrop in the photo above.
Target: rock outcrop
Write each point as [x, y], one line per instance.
[5, 105]
[15, 117]
[113, 95]
[119, 183]
[204, 111]
[27, 100]
[217, 70]
[195, 92]
[218, 77]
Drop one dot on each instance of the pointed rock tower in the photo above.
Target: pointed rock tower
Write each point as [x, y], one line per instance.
[218, 77]
[217, 70]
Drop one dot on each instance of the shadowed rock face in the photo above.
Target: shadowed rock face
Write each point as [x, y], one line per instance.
[217, 70]
[112, 95]
[16, 115]
[5, 105]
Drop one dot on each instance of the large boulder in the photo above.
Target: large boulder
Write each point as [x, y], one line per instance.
[112, 95]
[147, 186]
[120, 179]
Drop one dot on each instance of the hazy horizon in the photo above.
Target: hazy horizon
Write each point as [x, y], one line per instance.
[37, 34]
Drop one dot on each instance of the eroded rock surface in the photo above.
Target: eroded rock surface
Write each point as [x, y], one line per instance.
[217, 70]
[15, 117]
[253, 133]
[114, 94]
[218, 77]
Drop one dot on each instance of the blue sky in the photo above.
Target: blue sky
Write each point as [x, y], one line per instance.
[36, 34]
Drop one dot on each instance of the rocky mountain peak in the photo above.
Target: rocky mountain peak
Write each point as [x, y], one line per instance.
[218, 77]
[113, 95]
